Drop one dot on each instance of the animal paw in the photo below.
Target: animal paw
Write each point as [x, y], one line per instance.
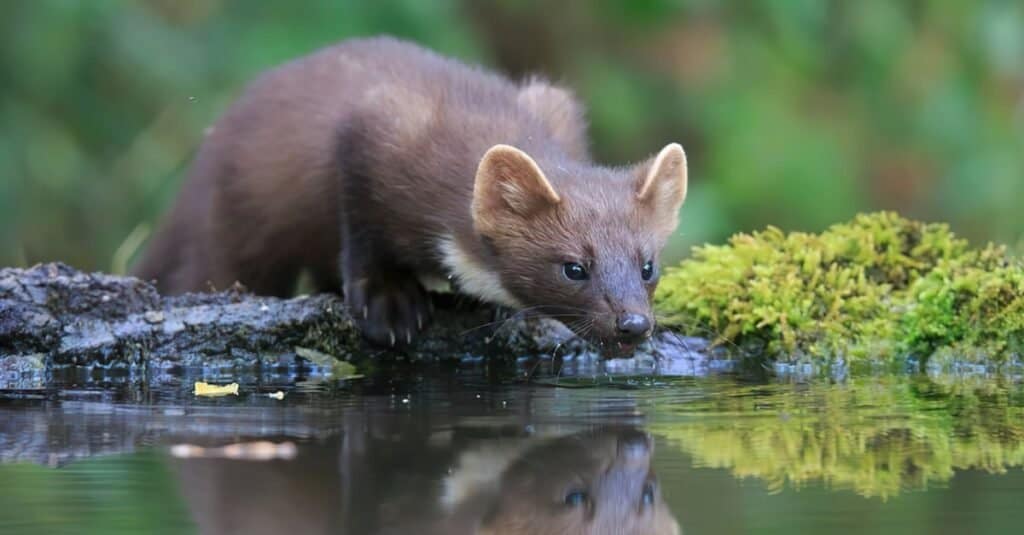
[390, 312]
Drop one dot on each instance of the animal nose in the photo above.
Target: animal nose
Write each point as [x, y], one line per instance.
[634, 325]
[635, 445]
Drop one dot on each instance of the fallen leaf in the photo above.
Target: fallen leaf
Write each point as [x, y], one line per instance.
[242, 451]
[339, 368]
[206, 389]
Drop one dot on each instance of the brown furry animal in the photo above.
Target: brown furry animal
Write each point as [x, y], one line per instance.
[376, 165]
[589, 483]
[597, 482]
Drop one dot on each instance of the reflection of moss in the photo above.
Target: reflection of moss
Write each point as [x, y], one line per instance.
[876, 288]
[133, 493]
[876, 438]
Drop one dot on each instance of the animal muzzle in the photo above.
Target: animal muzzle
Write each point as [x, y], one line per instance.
[633, 327]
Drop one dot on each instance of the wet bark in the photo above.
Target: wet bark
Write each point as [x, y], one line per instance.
[53, 317]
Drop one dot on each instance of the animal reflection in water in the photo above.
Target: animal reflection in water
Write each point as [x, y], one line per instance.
[591, 482]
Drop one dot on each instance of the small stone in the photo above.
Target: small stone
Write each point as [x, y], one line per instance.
[153, 316]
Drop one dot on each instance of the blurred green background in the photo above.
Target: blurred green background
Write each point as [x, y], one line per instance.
[796, 113]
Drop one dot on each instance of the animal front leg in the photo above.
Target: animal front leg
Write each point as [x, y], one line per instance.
[388, 303]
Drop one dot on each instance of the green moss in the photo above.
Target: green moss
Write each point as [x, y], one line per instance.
[878, 288]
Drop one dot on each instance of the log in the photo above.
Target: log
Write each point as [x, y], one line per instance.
[54, 318]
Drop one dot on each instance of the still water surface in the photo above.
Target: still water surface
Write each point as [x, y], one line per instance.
[456, 450]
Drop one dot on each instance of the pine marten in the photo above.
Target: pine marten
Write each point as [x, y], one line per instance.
[594, 482]
[589, 483]
[376, 165]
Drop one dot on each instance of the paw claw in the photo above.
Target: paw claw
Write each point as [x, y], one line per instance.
[388, 310]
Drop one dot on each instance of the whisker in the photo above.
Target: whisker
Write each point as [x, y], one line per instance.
[714, 336]
[532, 371]
[522, 312]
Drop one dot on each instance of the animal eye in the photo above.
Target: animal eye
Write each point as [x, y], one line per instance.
[574, 271]
[647, 497]
[647, 271]
[576, 498]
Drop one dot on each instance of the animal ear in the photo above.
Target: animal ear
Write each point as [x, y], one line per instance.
[509, 182]
[661, 186]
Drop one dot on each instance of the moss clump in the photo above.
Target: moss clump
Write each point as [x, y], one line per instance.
[878, 288]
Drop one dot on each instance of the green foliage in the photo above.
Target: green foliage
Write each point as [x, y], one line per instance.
[878, 288]
[106, 495]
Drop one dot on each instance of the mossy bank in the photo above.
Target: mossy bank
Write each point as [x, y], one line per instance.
[880, 289]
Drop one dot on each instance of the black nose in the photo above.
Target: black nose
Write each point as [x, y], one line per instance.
[634, 325]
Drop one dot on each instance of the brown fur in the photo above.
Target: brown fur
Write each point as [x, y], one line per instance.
[328, 488]
[371, 148]
[611, 468]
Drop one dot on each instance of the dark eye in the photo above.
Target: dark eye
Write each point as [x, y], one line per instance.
[647, 497]
[576, 498]
[647, 271]
[574, 271]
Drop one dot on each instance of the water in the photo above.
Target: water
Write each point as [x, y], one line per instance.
[442, 451]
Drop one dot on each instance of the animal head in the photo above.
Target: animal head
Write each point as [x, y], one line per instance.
[580, 242]
[597, 482]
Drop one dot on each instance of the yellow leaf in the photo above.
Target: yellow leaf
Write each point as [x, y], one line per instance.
[206, 389]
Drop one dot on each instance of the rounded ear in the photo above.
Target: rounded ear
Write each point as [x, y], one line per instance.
[661, 186]
[509, 184]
